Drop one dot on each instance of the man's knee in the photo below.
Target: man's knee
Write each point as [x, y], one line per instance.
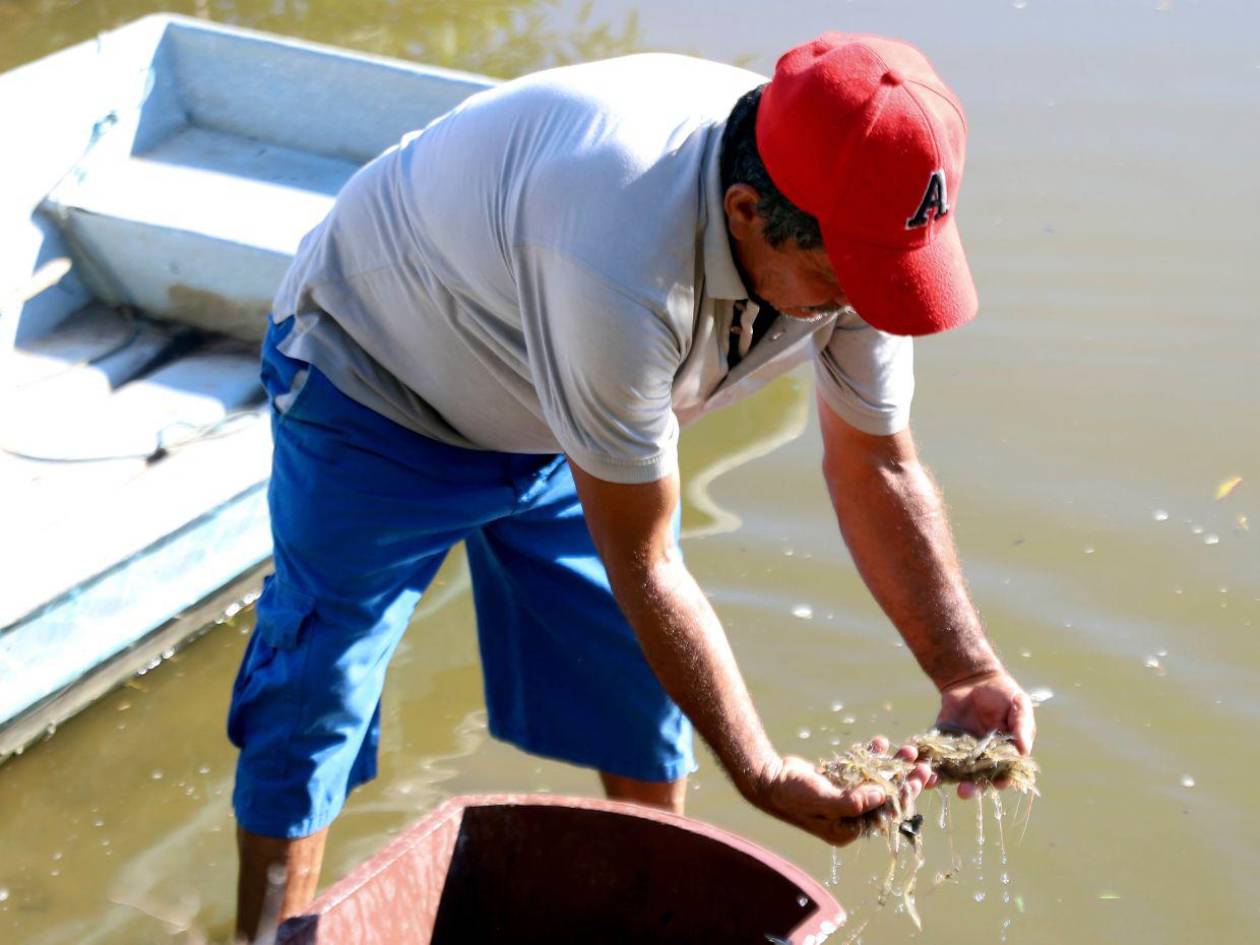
[666, 795]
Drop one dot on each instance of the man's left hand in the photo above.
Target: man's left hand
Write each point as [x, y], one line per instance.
[987, 702]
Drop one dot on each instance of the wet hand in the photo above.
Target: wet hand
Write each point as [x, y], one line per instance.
[984, 703]
[794, 791]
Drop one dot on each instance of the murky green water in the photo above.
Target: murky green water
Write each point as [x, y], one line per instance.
[1079, 429]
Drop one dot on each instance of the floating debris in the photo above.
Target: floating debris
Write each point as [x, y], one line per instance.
[860, 765]
[803, 612]
[1159, 515]
[1211, 539]
[1040, 695]
[1227, 486]
[954, 759]
[1187, 781]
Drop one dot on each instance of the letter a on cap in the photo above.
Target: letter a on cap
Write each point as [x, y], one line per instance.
[934, 198]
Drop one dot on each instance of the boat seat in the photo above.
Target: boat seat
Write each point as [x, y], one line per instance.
[167, 228]
[118, 451]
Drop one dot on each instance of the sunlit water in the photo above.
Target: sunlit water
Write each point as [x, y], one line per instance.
[1079, 428]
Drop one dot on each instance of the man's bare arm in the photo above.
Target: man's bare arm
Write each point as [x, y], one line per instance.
[894, 522]
[687, 649]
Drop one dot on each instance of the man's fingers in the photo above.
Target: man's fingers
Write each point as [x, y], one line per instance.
[1022, 723]
[843, 832]
[860, 800]
[966, 790]
[879, 744]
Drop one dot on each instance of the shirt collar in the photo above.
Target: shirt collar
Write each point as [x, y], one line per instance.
[721, 277]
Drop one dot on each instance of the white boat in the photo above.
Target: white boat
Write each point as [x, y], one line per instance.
[165, 174]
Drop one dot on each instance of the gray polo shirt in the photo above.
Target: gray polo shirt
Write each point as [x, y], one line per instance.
[546, 268]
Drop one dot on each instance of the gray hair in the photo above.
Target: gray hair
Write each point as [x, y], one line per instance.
[741, 164]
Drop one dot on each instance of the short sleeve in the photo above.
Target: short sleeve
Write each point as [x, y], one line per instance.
[603, 365]
[867, 376]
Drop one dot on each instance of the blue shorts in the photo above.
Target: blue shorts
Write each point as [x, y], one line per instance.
[362, 513]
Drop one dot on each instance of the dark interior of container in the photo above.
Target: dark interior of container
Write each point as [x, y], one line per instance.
[555, 875]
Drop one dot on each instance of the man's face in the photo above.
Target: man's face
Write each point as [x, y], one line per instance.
[798, 282]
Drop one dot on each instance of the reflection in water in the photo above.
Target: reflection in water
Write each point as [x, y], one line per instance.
[735, 436]
[502, 38]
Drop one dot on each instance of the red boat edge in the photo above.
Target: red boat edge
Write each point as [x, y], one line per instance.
[527, 868]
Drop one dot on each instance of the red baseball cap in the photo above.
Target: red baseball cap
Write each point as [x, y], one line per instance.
[861, 133]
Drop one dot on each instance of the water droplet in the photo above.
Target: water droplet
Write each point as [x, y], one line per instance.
[57, 855]
[1026, 654]
[837, 706]
[835, 866]
[788, 552]
[4, 894]
[1197, 529]
[803, 612]
[156, 775]
[204, 769]
[1019, 4]
[804, 733]
[1159, 515]
[1187, 781]
[98, 822]
[1211, 539]
[802, 901]
[1006, 879]
[54, 873]
[1040, 695]
[1089, 549]
[1152, 662]
[979, 896]
[848, 720]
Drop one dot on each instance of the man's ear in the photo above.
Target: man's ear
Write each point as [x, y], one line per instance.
[742, 218]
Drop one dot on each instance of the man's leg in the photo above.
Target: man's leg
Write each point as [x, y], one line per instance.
[565, 677]
[276, 873]
[667, 795]
[363, 512]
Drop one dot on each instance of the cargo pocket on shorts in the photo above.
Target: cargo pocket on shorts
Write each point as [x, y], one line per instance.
[282, 612]
[263, 682]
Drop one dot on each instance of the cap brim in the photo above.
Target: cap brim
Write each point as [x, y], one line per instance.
[907, 292]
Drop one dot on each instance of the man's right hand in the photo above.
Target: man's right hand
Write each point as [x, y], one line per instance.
[796, 792]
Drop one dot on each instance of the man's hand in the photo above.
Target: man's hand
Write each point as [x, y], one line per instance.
[794, 791]
[894, 522]
[988, 702]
